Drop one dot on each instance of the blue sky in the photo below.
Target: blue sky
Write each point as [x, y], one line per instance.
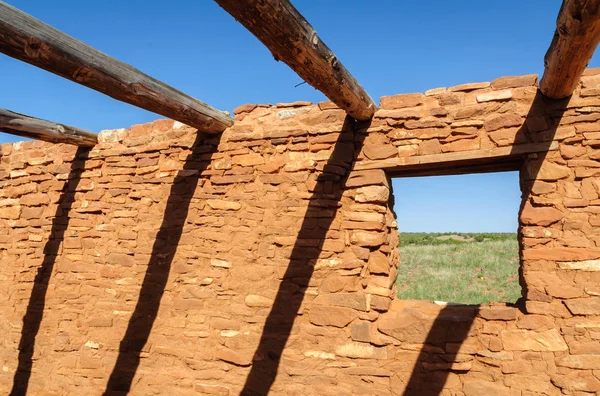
[390, 46]
[484, 202]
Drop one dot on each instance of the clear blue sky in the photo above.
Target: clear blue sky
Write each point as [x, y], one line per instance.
[390, 46]
[485, 202]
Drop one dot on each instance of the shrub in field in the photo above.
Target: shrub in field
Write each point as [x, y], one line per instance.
[445, 238]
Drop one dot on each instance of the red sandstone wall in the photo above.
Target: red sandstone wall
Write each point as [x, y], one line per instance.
[174, 263]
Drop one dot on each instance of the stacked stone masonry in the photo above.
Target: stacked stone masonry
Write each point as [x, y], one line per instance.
[171, 262]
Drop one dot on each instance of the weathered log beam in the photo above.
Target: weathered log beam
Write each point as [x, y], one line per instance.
[30, 127]
[575, 40]
[25, 38]
[290, 38]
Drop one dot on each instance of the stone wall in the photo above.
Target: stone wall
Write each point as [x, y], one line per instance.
[170, 262]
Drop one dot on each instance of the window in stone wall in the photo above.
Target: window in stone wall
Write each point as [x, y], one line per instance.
[458, 237]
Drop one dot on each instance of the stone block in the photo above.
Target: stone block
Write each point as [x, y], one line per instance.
[379, 263]
[546, 171]
[219, 204]
[585, 265]
[237, 358]
[401, 114]
[355, 301]
[358, 350]
[535, 322]
[540, 216]
[255, 301]
[498, 312]
[495, 96]
[401, 101]
[561, 254]
[582, 381]
[581, 362]
[120, 259]
[372, 194]
[429, 147]
[248, 159]
[379, 151]
[503, 121]
[584, 306]
[10, 212]
[361, 332]
[367, 238]
[525, 340]
[469, 87]
[367, 178]
[323, 315]
[515, 81]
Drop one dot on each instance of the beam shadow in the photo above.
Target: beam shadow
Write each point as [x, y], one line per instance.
[451, 326]
[551, 112]
[543, 118]
[279, 322]
[37, 301]
[157, 273]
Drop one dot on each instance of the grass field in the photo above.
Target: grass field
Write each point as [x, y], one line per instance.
[459, 268]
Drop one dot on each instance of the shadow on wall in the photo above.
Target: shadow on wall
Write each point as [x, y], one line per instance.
[541, 124]
[37, 301]
[437, 358]
[159, 265]
[279, 323]
[440, 349]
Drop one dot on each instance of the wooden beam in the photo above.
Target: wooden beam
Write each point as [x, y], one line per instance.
[290, 38]
[575, 40]
[25, 38]
[30, 127]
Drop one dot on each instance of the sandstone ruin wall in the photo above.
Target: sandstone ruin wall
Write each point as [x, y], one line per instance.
[170, 262]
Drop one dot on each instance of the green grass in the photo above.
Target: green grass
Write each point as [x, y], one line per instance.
[467, 272]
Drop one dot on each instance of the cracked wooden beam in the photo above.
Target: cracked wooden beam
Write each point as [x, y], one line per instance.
[35, 128]
[290, 38]
[575, 40]
[26, 38]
